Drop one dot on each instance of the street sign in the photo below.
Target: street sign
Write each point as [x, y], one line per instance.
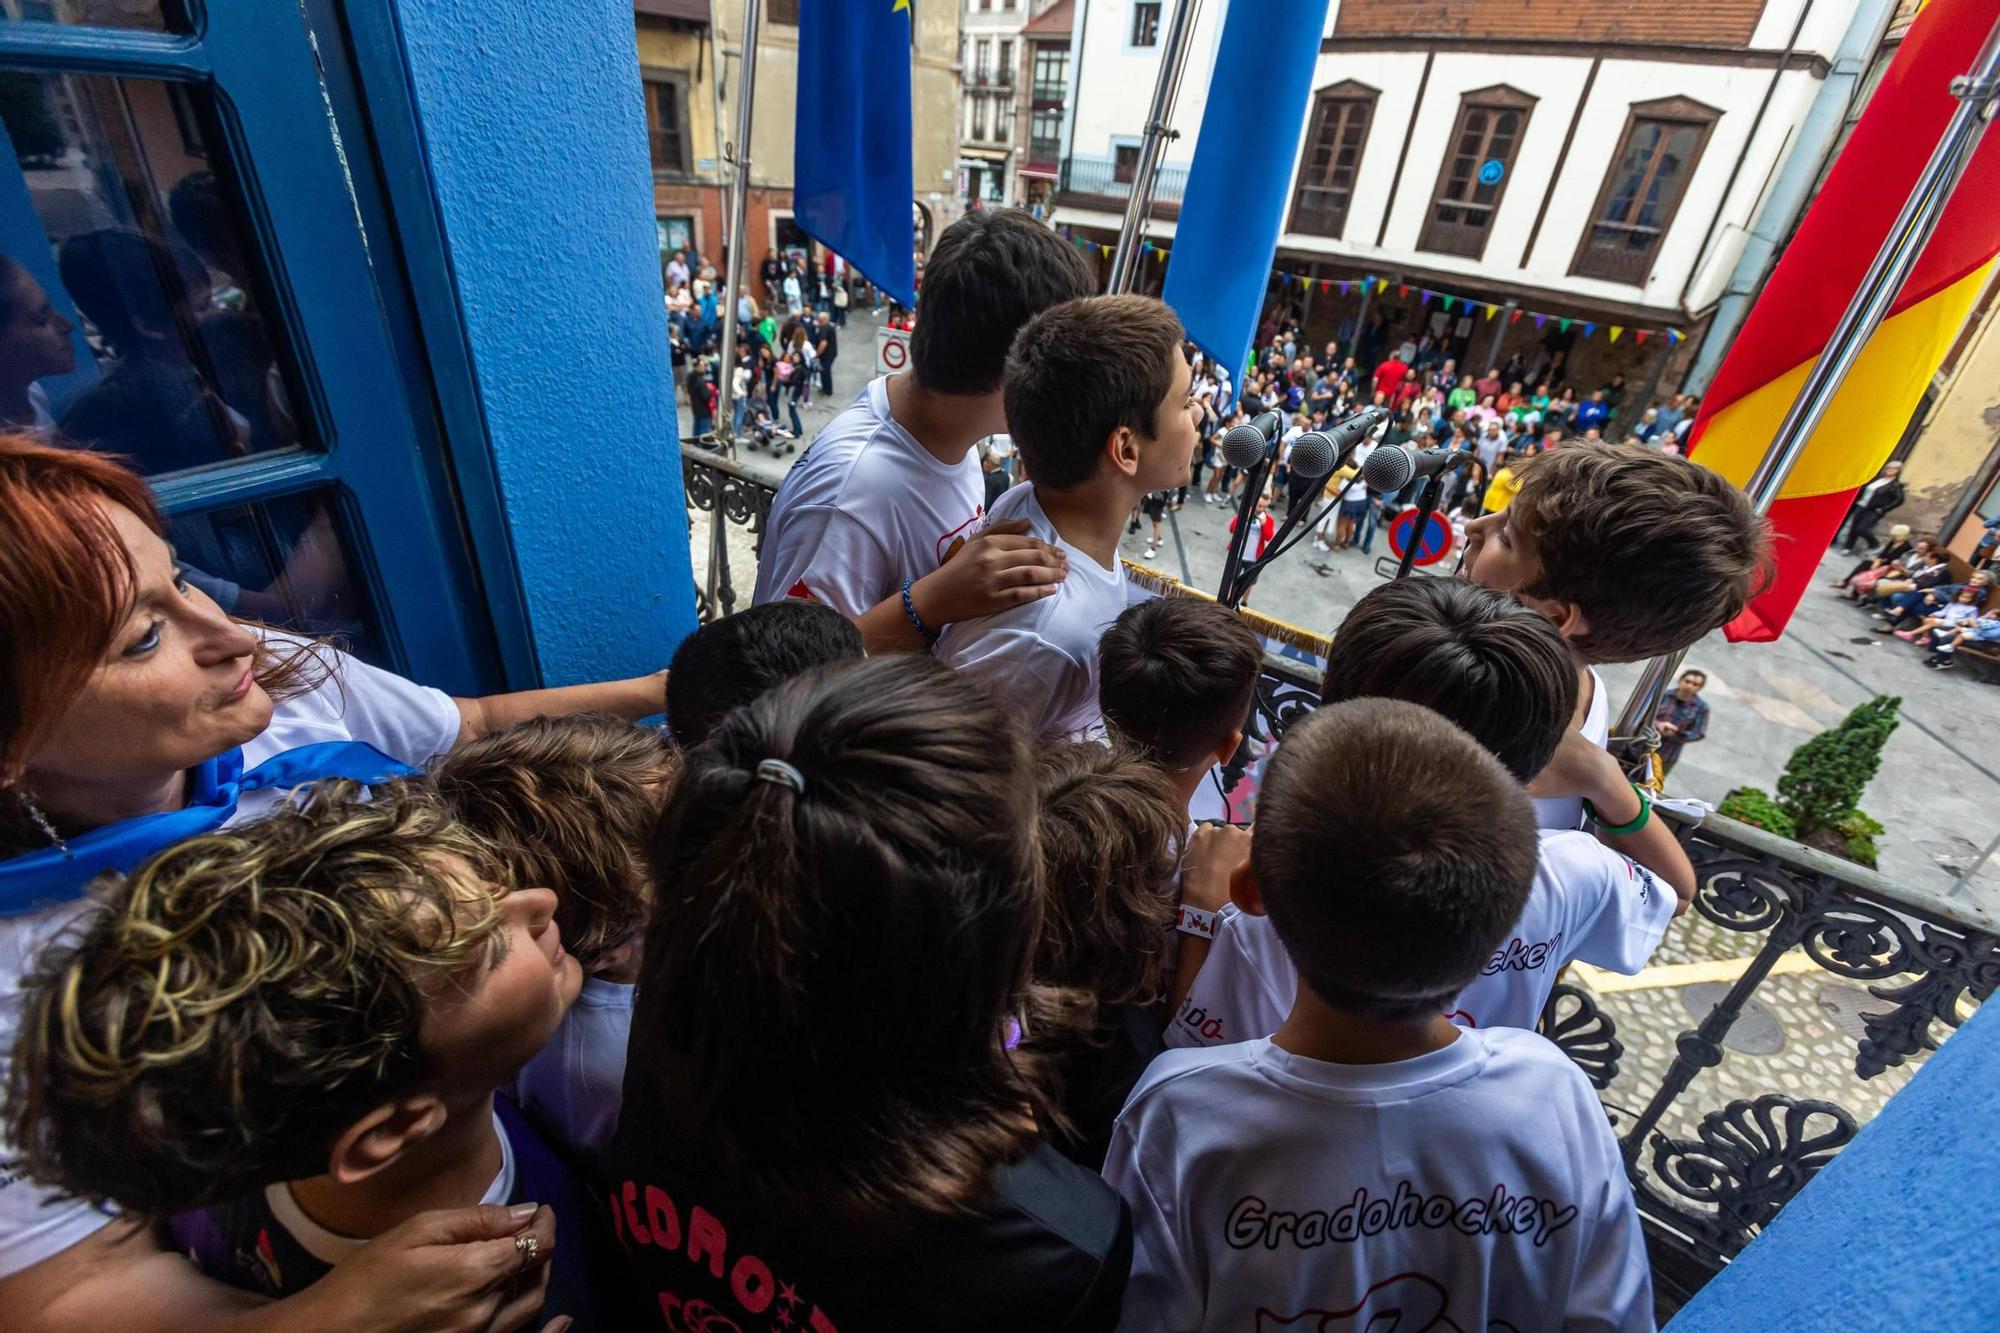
[1436, 543]
[892, 351]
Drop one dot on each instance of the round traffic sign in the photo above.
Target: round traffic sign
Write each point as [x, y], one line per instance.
[894, 353]
[1436, 543]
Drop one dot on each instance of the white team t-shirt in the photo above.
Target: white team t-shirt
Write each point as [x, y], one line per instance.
[864, 508]
[1587, 902]
[358, 702]
[1041, 658]
[1476, 1187]
[1566, 812]
[574, 1085]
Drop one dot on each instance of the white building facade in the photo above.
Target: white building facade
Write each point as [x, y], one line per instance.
[1601, 165]
[990, 143]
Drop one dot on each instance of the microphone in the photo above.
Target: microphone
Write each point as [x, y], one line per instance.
[1313, 457]
[1390, 469]
[1245, 446]
[1351, 431]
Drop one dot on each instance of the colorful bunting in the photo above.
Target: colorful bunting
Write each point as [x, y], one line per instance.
[1541, 320]
[1402, 290]
[1491, 310]
[1563, 324]
[1514, 317]
[1639, 337]
[1590, 329]
[1381, 285]
[1617, 332]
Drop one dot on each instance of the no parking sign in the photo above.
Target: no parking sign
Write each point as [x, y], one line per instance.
[892, 351]
[1436, 543]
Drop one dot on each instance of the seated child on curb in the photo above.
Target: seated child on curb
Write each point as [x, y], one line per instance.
[1371, 1161]
[1099, 406]
[1962, 608]
[833, 1104]
[1985, 632]
[295, 1029]
[569, 804]
[1501, 672]
[728, 662]
[1632, 552]
[1109, 825]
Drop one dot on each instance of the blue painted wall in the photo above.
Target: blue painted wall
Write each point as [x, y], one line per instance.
[533, 125]
[1899, 1232]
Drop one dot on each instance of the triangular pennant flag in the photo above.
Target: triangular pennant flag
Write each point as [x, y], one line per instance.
[1639, 337]
[1448, 302]
[1590, 329]
[1343, 288]
[1514, 317]
[1563, 324]
[1325, 286]
[1673, 337]
[1617, 332]
[1541, 320]
[1429, 296]
[1491, 310]
[1402, 289]
[1381, 284]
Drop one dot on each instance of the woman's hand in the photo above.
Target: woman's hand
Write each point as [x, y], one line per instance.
[1213, 855]
[457, 1271]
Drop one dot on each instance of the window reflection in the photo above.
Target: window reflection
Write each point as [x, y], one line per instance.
[286, 562]
[119, 236]
[149, 15]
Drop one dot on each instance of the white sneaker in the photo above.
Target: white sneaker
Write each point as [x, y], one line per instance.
[1151, 551]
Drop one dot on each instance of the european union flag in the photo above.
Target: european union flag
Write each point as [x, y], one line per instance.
[852, 187]
[1236, 190]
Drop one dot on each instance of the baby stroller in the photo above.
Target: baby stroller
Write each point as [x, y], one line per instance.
[763, 430]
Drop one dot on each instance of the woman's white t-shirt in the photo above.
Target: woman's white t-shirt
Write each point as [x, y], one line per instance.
[357, 702]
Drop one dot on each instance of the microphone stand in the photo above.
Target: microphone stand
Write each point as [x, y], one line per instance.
[1227, 592]
[1426, 506]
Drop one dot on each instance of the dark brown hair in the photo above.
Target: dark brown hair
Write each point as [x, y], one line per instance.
[569, 804]
[1109, 824]
[730, 661]
[1081, 370]
[1654, 549]
[1175, 676]
[1476, 656]
[1392, 851]
[830, 972]
[990, 272]
[242, 998]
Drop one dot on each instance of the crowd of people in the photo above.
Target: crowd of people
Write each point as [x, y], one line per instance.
[1501, 418]
[1909, 586]
[897, 984]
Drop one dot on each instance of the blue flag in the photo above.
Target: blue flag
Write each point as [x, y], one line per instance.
[1236, 191]
[852, 188]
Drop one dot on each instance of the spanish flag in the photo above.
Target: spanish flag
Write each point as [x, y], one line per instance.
[1788, 327]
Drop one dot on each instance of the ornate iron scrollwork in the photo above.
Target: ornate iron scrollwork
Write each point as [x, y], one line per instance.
[1583, 1032]
[1747, 1161]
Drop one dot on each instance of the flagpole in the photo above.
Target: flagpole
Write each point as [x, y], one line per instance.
[1977, 92]
[738, 154]
[1173, 59]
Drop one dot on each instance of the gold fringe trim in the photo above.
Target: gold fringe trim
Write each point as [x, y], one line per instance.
[1279, 631]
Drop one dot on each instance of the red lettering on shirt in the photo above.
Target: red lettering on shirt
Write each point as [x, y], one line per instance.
[705, 1235]
[661, 1217]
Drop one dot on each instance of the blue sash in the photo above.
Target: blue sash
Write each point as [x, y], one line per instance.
[50, 875]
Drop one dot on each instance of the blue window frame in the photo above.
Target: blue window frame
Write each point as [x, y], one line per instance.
[368, 394]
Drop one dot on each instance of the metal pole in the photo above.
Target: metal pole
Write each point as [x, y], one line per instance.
[739, 203]
[1976, 92]
[1173, 58]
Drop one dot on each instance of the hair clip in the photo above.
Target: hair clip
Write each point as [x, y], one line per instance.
[782, 773]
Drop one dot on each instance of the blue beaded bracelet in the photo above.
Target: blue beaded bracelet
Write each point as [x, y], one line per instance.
[930, 636]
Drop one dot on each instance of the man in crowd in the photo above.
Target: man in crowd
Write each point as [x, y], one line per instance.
[1682, 717]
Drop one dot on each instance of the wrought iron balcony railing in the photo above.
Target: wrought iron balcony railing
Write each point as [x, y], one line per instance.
[1107, 184]
[1721, 1121]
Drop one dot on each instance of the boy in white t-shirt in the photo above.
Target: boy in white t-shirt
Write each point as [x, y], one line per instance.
[1503, 673]
[1373, 1164]
[569, 804]
[879, 518]
[1631, 552]
[1100, 408]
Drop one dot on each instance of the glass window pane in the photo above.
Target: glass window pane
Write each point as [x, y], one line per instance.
[147, 15]
[132, 303]
[286, 562]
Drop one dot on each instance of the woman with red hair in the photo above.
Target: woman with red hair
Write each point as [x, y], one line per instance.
[134, 713]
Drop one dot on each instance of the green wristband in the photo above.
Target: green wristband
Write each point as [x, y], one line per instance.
[1620, 830]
